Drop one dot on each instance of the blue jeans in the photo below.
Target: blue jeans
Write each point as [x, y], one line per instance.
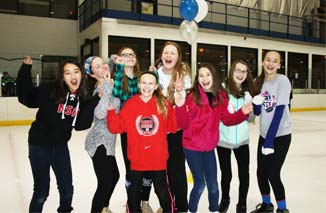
[41, 159]
[204, 169]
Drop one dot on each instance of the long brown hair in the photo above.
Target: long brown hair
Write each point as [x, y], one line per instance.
[216, 86]
[260, 79]
[247, 85]
[137, 72]
[180, 67]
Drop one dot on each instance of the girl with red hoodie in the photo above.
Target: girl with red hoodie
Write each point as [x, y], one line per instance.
[146, 118]
[199, 115]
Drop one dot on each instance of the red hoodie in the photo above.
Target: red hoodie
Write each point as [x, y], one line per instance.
[146, 130]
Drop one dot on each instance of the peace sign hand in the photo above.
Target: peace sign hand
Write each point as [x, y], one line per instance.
[178, 84]
[106, 73]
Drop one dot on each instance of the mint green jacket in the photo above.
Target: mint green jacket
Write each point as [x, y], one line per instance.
[235, 136]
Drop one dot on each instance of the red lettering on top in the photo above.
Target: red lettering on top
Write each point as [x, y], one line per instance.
[74, 112]
[69, 110]
[60, 108]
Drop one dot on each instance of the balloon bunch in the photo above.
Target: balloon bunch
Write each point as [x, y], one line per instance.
[193, 11]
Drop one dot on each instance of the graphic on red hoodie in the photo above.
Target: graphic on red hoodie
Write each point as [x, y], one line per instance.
[147, 126]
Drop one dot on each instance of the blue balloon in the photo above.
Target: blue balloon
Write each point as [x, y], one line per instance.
[188, 9]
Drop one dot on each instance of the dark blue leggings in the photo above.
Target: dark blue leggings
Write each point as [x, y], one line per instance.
[41, 159]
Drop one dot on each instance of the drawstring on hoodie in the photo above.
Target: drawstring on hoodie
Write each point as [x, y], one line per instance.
[64, 107]
[77, 108]
[72, 96]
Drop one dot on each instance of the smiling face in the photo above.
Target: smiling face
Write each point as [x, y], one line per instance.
[271, 63]
[240, 74]
[99, 68]
[72, 76]
[128, 57]
[147, 85]
[205, 79]
[169, 57]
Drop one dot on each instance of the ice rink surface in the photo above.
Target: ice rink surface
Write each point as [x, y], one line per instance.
[303, 174]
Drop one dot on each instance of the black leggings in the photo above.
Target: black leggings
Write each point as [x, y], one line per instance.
[147, 181]
[242, 157]
[269, 166]
[160, 185]
[177, 172]
[107, 174]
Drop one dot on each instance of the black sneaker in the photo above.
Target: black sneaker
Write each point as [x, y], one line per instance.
[241, 209]
[265, 208]
[282, 211]
[224, 205]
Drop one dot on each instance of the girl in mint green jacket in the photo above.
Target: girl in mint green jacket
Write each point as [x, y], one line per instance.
[240, 88]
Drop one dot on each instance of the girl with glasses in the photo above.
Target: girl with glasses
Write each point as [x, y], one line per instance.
[126, 76]
[240, 88]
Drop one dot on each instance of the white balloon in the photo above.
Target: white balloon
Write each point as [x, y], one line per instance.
[189, 31]
[202, 10]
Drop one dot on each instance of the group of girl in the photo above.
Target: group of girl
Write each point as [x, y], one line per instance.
[163, 121]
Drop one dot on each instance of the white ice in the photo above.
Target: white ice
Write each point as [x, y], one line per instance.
[304, 171]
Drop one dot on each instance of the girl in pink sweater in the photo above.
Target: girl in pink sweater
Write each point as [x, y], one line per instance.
[199, 115]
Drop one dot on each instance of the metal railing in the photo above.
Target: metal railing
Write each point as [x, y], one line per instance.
[220, 16]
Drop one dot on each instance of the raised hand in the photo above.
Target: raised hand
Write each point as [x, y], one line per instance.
[107, 74]
[114, 58]
[152, 68]
[178, 84]
[119, 60]
[28, 60]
